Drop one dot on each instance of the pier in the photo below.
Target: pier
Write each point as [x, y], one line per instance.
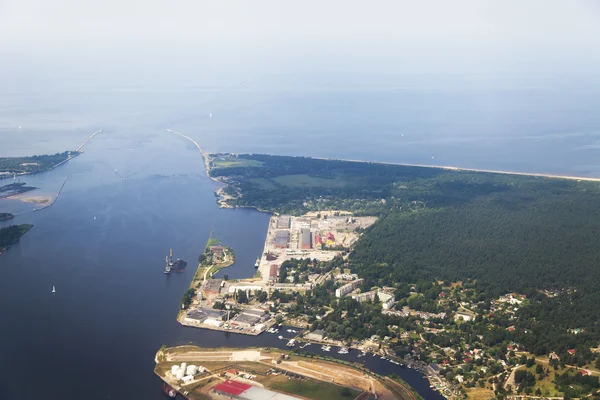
[87, 140]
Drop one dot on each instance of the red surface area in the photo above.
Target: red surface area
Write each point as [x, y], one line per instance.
[232, 387]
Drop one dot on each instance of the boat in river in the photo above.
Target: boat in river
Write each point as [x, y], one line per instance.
[53, 289]
[257, 263]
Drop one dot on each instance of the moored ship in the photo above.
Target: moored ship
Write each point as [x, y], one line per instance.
[176, 266]
[169, 391]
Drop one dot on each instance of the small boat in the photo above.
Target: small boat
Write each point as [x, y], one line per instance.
[343, 350]
[279, 337]
[257, 263]
[291, 343]
[53, 289]
[326, 348]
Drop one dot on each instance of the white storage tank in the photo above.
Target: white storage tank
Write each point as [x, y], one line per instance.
[187, 378]
[174, 369]
[183, 366]
[191, 370]
[180, 373]
[201, 369]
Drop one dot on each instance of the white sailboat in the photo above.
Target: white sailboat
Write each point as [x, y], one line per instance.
[53, 289]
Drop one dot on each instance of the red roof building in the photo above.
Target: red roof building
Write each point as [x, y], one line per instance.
[584, 372]
[231, 388]
[571, 351]
[330, 236]
[273, 271]
[318, 241]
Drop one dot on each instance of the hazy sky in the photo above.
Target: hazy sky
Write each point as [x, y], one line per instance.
[325, 35]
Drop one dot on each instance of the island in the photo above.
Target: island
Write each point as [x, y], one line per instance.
[264, 373]
[11, 234]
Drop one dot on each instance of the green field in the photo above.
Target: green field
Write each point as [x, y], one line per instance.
[315, 390]
[233, 162]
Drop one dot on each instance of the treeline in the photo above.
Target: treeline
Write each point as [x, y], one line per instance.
[5, 216]
[11, 234]
[39, 162]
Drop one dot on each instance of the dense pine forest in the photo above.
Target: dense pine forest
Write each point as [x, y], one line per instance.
[507, 233]
[31, 164]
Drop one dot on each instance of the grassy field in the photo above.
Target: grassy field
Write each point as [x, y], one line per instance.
[479, 394]
[231, 162]
[306, 181]
[312, 389]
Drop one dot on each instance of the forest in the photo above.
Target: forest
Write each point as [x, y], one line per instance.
[507, 233]
[11, 234]
[30, 164]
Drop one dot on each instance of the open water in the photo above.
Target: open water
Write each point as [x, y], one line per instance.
[102, 244]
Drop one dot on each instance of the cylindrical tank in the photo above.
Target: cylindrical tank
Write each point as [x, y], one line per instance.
[183, 366]
[201, 369]
[174, 369]
[191, 370]
[180, 373]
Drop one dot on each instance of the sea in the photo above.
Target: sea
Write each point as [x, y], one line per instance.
[138, 191]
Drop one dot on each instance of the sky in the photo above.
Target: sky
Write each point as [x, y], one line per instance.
[84, 38]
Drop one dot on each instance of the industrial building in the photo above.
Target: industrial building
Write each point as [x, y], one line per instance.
[318, 334]
[205, 315]
[284, 222]
[244, 287]
[282, 238]
[305, 242]
[249, 318]
[213, 286]
[347, 288]
[238, 390]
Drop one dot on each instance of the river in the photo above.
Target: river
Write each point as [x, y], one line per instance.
[102, 245]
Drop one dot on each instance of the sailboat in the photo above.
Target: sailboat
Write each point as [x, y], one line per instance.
[53, 289]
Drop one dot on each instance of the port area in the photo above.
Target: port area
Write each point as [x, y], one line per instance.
[261, 373]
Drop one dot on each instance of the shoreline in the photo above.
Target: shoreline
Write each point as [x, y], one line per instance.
[221, 362]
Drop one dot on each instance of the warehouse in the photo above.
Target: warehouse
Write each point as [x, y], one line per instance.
[305, 239]
[249, 318]
[199, 315]
[282, 239]
[273, 272]
[283, 222]
[239, 390]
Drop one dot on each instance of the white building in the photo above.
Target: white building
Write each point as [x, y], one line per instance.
[347, 288]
